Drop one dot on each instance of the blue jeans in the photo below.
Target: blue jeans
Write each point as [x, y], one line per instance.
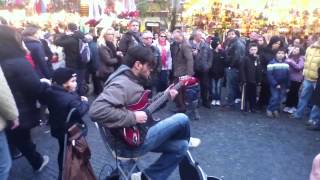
[233, 89]
[5, 158]
[216, 89]
[306, 93]
[169, 137]
[315, 114]
[275, 99]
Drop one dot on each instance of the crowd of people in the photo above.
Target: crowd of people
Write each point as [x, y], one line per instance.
[276, 76]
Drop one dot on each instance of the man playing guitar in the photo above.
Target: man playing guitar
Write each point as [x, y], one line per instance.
[169, 136]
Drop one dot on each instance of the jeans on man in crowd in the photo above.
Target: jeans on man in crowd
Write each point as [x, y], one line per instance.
[216, 88]
[81, 81]
[169, 137]
[306, 93]
[233, 89]
[315, 114]
[277, 95]
[5, 158]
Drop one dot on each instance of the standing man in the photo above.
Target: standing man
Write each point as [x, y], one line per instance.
[310, 72]
[169, 136]
[182, 60]
[70, 42]
[202, 56]
[235, 51]
[8, 113]
[130, 38]
[147, 40]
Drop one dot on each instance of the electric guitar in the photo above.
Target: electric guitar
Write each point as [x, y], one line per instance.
[135, 135]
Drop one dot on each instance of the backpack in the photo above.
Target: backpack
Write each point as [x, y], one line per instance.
[84, 50]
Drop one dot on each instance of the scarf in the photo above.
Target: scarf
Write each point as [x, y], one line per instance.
[111, 46]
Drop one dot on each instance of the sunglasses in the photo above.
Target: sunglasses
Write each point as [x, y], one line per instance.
[163, 36]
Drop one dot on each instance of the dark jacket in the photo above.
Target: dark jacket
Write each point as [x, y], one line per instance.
[316, 92]
[60, 102]
[38, 56]
[218, 64]
[250, 70]
[70, 44]
[203, 59]
[182, 59]
[278, 73]
[108, 61]
[235, 52]
[26, 89]
[129, 39]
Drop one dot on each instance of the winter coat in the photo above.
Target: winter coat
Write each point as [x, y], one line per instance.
[70, 44]
[110, 106]
[129, 39]
[312, 62]
[266, 56]
[218, 64]
[38, 56]
[108, 62]
[251, 70]
[203, 59]
[182, 59]
[60, 102]
[8, 107]
[168, 56]
[296, 68]
[235, 52]
[278, 73]
[26, 88]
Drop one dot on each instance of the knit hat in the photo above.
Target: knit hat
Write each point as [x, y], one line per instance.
[215, 42]
[62, 75]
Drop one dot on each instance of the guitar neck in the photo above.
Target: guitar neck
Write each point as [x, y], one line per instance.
[162, 99]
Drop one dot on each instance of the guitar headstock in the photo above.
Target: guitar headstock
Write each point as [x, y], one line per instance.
[188, 80]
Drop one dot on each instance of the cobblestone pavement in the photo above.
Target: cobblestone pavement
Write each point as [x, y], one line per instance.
[234, 147]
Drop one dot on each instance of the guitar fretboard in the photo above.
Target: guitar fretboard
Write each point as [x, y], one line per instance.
[162, 99]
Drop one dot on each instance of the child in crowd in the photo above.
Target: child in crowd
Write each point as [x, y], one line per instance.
[296, 64]
[279, 80]
[216, 72]
[251, 74]
[61, 98]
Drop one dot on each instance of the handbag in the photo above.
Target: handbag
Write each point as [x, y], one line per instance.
[76, 161]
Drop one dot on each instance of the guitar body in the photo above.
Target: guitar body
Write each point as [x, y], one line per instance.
[133, 136]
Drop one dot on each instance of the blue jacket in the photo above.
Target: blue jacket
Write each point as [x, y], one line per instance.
[60, 102]
[278, 73]
[39, 57]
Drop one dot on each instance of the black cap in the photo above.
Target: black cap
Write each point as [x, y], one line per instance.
[62, 75]
[215, 42]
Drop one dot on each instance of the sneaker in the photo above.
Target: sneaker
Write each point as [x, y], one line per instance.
[309, 122]
[196, 115]
[292, 110]
[269, 114]
[218, 103]
[213, 102]
[194, 142]
[276, 114]
[44, 163]
[314, 126]
[136, 176]
[286, 109]
[236, 101]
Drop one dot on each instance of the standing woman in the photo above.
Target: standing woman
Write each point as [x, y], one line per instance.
[26, 89]
[165, 66]
[109, 57]
[266, 55]
[296, 64]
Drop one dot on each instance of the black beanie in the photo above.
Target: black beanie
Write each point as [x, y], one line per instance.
[215, 42]
[62, 75]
